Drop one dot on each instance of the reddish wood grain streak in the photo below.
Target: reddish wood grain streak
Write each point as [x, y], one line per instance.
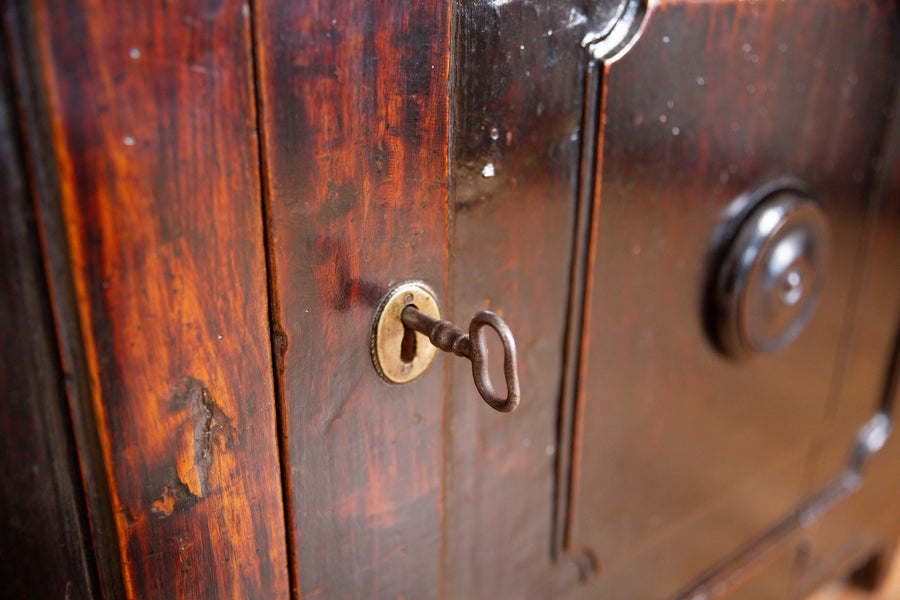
[354, 107]
[153, 119]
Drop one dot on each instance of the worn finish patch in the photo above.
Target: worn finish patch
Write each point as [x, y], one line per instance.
[207, 431]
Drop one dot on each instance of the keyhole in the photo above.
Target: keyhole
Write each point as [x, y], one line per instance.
[408, 344]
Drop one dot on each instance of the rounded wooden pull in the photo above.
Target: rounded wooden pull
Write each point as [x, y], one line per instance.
[771, 276]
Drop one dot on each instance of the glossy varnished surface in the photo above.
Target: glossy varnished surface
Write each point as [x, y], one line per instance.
[226, 191]
[354, 118]
[151, 109]
[519, 98]
[515, 187]
[685, 455]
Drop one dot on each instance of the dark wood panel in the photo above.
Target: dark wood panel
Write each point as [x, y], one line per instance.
[153, 123]
[354, 117]
[46, 550]
[37, 141]
[515, 175]
[522, 135]
[685, 455]
[868, 523]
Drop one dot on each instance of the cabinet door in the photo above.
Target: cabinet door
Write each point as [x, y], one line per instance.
[684, 456]
[568, 167]
[227, 192]
[416, 490]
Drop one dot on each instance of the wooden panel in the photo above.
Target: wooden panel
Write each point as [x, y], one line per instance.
[354, 106]
[686, 456]
[46, 550]
[868, 522]
[152, 115]
[520, 90]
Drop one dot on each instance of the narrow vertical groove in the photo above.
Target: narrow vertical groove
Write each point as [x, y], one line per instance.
[277, 335]
[890, 146]
[889, 397]
[861, 260]
[446, 410]
[588, 287]
[582, 248]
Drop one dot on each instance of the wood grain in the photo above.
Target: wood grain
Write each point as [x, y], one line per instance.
[354, 117]
[152, 114]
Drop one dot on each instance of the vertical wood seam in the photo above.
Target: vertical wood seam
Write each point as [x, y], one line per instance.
[848, 329]
[277, 336]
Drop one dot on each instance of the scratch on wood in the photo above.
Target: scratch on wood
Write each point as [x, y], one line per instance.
[335, 411]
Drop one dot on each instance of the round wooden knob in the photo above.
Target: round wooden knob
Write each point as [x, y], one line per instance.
[771, 276]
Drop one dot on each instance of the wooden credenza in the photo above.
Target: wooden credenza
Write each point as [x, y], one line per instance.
[204, 203]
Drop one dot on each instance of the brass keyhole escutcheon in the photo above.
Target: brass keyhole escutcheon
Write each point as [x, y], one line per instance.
[399, 353]
[408, 332]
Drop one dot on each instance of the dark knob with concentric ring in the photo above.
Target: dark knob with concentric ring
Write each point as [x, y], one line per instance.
[771, 276]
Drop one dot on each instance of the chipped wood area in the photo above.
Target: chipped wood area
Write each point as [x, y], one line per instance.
[209, 432]
[153, 121]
